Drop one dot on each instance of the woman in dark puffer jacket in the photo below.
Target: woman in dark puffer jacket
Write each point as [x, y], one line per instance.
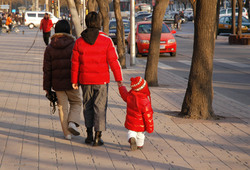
[57, 76]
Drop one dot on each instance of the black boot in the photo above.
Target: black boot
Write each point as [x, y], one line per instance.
[98, 141]
[89, 138]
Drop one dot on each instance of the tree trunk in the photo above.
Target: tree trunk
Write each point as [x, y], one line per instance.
[104, 10]
[154, 46]
[75, 17]
[217, 17]
[193, 3]
[240, 7]
[233, 16]
[92, 5]
[120, 35]
[197, 103]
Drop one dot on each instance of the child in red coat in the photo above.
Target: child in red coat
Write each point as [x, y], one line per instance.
[139, 116]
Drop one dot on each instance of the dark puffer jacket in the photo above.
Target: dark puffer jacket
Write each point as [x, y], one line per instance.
[57, 63]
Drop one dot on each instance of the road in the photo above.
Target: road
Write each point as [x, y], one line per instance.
[231, 75]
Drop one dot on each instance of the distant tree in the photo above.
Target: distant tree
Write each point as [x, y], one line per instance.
[92, 5]
[233, 28]
[217, 16]
[104, 10]
[75, 17]
[120, 35]
[154, 47]
[197, 103]
[193, 3]
[240, 7]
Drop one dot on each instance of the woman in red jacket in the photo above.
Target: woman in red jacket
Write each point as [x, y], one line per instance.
[93, 53]
[139, 116]
[46, 25]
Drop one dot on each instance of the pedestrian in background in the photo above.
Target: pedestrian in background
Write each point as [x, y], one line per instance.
[139, 116]
[9, 23]
[57, 76]
[46, 25]
[93, 53]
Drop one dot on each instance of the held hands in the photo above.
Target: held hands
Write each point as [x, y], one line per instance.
[75, 86]
[119, 83]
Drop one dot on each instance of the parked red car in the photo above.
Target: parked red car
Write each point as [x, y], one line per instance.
[142, 37]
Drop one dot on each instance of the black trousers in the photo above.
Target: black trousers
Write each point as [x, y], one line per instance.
[95, 101]
[46, 36]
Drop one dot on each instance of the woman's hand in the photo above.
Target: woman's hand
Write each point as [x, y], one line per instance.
[75, 86]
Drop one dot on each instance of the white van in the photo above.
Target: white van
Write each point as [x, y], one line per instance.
[228, 12]
[33, 18]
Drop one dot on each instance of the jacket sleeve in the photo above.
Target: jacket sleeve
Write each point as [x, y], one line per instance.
[75, 64]
[51, 24]
[47, 71]
[113, 62]
[148, 118]
[123, 92]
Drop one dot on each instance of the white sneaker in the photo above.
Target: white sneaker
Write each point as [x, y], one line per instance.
[68, 137]
[73, 129]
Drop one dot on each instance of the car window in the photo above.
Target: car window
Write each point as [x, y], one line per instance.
[31, 15]
[112, 25]
[165, 29]
[146, 29]
[227, 20]
[229, 11]
[223, 11]
[40, 15]
[222, 20]
[243, 19]
[126, 25]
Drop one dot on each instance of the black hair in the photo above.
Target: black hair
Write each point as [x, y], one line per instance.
[62, 26]
[92, 20]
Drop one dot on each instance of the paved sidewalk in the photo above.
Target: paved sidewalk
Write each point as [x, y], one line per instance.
[31, 137]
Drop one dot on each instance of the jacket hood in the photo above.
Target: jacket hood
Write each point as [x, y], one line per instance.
[90, 35]
[61, 40]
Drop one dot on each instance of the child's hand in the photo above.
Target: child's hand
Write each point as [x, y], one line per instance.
[119, 83]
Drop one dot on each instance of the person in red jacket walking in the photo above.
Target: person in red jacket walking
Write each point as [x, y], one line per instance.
[46, 25]
[93, 53]
[139, 116]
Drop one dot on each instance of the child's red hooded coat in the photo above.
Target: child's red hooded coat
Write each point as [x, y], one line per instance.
[139, 116]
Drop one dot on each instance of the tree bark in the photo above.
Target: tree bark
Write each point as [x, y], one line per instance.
[197, 103]
[151, 73]
[75, 17]
[233, 16]
[104, 10]
[92, 5]
[240, 7]
[193, 3]
[120, 35]
[217, 17]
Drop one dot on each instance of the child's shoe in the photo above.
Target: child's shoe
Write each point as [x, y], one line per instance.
[133, 145]
[140, 147]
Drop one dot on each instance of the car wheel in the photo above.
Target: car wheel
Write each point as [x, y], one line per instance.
[31, 26]
[173, 54]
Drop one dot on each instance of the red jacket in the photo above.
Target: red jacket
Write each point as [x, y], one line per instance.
[90, 63]
[139, 116]
[46, 25]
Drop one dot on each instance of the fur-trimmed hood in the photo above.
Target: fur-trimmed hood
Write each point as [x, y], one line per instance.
[61, 40]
